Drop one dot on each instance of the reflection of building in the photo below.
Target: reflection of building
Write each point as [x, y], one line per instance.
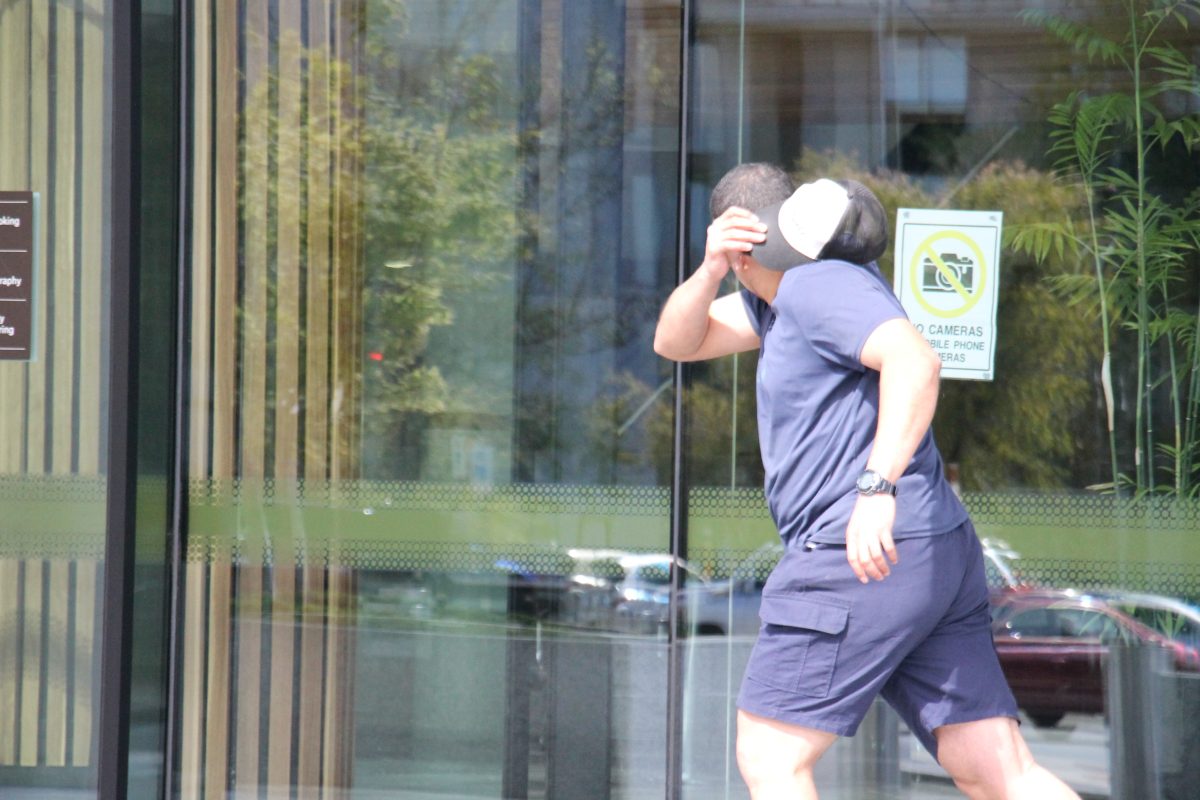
[923, 87]
[344, 318]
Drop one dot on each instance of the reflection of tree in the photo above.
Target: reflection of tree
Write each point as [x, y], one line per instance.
[480, 168]
[1034, 425]
[439, 179]
[572, 319]
[1123, 149]
[1037, 424]
[1023, 429]
[296, 287]
[638, 422]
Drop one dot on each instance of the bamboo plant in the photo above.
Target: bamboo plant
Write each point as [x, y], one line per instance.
[1139, 248]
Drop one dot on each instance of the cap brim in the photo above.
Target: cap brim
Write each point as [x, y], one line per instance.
[775, 253]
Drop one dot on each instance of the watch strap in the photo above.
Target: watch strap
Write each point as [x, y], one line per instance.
[877, 484]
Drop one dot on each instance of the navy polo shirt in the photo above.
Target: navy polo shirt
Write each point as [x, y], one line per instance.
[818, 406]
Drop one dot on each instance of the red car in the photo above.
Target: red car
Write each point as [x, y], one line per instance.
[1053, 646]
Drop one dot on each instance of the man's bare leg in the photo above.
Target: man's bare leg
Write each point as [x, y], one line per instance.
[777, 759]
[989, 760]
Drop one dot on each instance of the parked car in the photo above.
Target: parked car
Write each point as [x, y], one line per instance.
[1053, 645]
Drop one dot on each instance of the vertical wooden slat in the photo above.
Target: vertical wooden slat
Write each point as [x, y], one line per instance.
[55, 648]
[14, 166]
[338, 196]
[287, 384]
[287, 276]
[14, 162]
[31, 663]
[87, 650]
[316, 329]
[249, 676]
[338, 740]
[35, 420]
[252, 391]
[10, 637]
[202, 253]
[63, 244]
[283, 665]
[255, 203]
[92, 202]
[224, 377]
[325, 208]
[345, 274]
[14, 93]
[312, 639]
[345, 289]
[219, 683]
[191, 733]
[39, 94]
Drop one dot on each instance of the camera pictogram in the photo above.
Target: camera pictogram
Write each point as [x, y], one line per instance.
[961, 267]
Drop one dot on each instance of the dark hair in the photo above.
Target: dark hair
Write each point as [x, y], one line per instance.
[750, 186]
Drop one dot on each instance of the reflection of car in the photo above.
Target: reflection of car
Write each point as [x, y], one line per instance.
[641, 591]
[1053, 646]
[1171, 617]
[998, 558]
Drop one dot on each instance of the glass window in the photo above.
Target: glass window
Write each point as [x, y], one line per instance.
[55, 100]
[1076, 461]
[429, 440]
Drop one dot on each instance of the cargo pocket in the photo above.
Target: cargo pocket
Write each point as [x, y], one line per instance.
[798, 646]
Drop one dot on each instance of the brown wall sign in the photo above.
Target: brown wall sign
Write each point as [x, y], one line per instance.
[18, 229]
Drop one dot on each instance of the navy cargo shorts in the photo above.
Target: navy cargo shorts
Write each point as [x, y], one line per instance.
[921, 639]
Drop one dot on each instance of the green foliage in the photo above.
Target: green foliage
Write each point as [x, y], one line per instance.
[439, 226]
[1139, 244]
[1023, 429]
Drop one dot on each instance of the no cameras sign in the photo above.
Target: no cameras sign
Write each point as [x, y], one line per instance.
[947, 275]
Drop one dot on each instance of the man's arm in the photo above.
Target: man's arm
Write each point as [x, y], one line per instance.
[694, 325]
[908, 389]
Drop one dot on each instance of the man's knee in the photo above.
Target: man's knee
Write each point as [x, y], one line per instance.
[769, 751]
[984, 757]
[989, 760]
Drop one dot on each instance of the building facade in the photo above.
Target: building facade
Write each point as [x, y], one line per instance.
[335, 460]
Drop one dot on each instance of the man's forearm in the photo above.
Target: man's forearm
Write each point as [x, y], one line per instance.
[684, 319]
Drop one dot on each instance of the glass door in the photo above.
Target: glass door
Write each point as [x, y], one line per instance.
[970, 106]
[429, 440]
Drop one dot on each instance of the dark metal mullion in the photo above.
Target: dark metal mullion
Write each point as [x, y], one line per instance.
[679, 477]
[116, 642]
[177, 502]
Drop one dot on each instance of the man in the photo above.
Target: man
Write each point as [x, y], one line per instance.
[881, 589]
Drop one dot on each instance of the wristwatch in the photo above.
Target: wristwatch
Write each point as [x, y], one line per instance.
[871, 482]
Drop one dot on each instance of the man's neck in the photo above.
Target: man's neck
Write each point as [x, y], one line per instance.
[764, 283]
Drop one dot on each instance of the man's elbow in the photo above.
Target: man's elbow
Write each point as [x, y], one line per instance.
[928, 370]
[665, 347]
[932, 365]
[919, 367]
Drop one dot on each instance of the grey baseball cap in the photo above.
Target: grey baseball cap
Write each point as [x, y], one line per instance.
[825, 219]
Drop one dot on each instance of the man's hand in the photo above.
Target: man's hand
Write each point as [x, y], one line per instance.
[869, 537]
[731, 235]
[908, 387]
[694, 325]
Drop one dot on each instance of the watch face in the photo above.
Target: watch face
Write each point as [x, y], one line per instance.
[867, 482]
